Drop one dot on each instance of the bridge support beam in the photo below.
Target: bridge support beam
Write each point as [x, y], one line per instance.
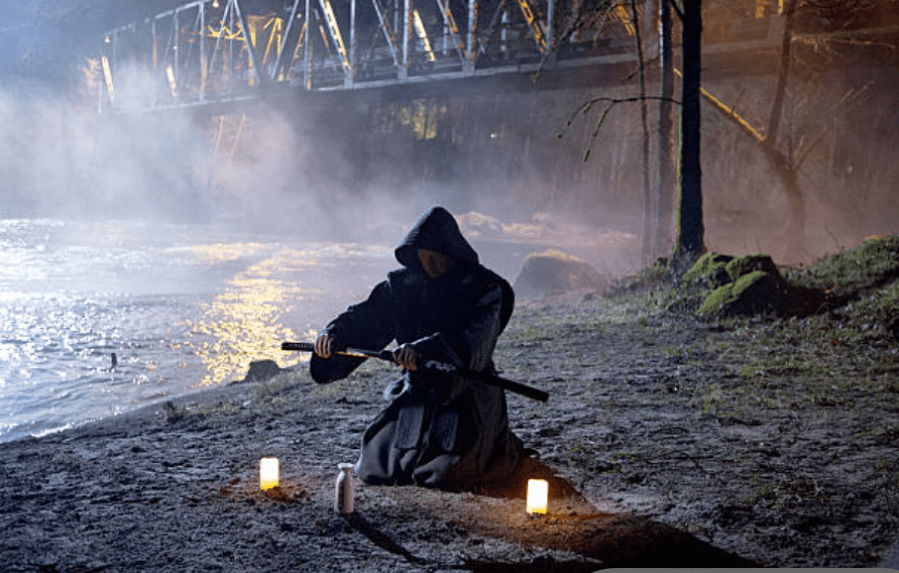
[364, 44]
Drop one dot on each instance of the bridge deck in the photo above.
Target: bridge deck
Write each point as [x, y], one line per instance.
[208, 52]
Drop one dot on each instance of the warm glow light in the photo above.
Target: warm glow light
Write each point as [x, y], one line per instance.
[730, 111]
[241, 322]
[268, 473]
[760, 6]
[170, 73]
[423, 34]
[107, 73]
[537, 494]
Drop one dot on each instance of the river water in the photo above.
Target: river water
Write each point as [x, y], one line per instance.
[181, 306]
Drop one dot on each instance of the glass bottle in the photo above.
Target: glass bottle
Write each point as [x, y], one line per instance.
[344, 489]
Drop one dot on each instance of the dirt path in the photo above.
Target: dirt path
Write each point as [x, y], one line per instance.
[673, 443]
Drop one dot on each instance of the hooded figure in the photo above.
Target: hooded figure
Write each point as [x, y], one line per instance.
[439, 430]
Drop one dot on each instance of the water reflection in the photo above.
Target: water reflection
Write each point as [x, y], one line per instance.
[258, 307]
[181, 306]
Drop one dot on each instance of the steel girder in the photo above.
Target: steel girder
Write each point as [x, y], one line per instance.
[219, 50]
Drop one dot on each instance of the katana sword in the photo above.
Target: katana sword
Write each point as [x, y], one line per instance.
[436, 365]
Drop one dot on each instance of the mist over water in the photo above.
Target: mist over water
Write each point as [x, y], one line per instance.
[136, 235]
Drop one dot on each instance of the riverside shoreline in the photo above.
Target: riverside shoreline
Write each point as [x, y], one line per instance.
[671, 442]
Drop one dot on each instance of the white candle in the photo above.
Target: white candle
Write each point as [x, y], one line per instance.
[268, 473]
[537, 494]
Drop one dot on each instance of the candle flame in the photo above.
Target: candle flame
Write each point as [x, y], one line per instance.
[537, 494]
[268, 473]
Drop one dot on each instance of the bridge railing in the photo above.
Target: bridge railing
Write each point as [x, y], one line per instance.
[208, 51]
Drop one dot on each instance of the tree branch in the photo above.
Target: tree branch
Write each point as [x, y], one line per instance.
[611, 102]
[588, 105]
[677, 10]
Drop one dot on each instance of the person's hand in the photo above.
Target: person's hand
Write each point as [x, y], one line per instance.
[324, 345]
[406, 356]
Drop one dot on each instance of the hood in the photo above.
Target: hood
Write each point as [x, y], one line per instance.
[436, 231]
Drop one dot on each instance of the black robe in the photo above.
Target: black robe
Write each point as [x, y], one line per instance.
[439, 430]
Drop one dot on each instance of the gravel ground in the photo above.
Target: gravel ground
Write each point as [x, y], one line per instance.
[668, 442]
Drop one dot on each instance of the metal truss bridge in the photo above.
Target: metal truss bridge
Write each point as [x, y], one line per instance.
[209, 52]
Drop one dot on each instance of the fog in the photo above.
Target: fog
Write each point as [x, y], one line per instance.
[356, 168]
[319, 171]
[62, 159]
[348, 170]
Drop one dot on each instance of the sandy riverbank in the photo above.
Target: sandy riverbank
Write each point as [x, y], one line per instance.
[672, 443]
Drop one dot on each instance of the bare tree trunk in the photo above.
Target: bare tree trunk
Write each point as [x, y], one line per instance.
[649, 211]
[783, 71]
[690, 228]
[783, 163]
[666, 132]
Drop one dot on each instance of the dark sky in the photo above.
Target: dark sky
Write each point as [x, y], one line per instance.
[43, 39]
[46, 38]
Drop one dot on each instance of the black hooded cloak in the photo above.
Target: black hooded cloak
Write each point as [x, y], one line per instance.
[439, 430]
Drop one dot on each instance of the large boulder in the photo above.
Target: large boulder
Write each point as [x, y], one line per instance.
[720, 285]
[753, 293]
[553, 272]
[709, 271]
[739, 267]
[746, 285]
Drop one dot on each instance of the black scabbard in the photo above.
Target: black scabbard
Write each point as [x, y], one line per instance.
[484, 377]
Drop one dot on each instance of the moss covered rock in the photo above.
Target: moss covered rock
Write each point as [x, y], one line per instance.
[741, 266]
[709, 271]
[746, 285]
[554, 271]
[753, 293]
[721, 285]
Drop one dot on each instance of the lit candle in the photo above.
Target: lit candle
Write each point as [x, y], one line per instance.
[268, 473]
[537, 493]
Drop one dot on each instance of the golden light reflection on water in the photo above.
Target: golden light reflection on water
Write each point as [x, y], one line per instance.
[225, 252]
[246, 321]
